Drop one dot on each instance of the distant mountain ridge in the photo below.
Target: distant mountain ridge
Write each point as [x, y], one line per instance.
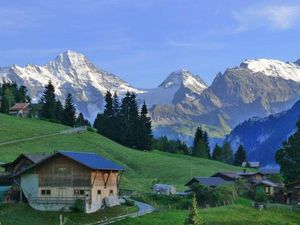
[262, 137]
[182, 101]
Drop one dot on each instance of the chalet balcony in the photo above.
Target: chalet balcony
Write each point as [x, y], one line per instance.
[64, 181]
[56, 200]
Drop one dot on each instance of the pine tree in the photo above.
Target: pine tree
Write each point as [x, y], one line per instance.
[59, 111]
[194, 215]
[200, 148]
[69, 111]
[288, 157]
[133, 122]
[80, 120]
[217, 153]
[98, 123]
[145, 131]
[22, 95]
[240, 156]
[197, 143]
[206, 143]
[48, 102]
[227, 153]
[108, 108]
[116, 105]
[7, 100]
[116, 123]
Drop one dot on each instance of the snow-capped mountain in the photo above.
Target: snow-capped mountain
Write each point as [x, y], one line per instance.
[274, 68]
[262, 137]
[167, 93]
[70, 72]
[255, 88]
[182, 102]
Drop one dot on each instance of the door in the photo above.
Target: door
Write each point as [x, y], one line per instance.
[61, 193]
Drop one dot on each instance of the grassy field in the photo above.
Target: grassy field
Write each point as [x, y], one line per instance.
[12, 128]
[22, 214]
[240, 213]
[142, 168]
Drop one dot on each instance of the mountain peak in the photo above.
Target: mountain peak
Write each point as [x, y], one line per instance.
[70, 57]
[298, 62]
[185, 77]
[273, 68]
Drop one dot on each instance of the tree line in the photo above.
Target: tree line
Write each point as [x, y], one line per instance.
[53, 110]
[123, 121]
[11, 93]
[200, 148]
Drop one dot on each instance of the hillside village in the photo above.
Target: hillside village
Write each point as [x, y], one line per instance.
[83, 181]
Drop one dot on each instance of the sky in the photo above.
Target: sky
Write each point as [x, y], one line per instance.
[143, 41]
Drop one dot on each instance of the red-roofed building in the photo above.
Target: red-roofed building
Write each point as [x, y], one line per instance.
[20, 109]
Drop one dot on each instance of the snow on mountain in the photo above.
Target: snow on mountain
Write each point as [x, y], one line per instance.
[274, 68]
[165, 93]
[70, 72]
[185, 77]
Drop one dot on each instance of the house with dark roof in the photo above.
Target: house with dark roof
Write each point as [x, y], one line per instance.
[228, 176]
[207, 181]
[54, 182]
[20, 109]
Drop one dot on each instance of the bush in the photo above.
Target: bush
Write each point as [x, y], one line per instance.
[260, 197]
[91, 129]
[129, 202]
[214, 196]
[78, 206]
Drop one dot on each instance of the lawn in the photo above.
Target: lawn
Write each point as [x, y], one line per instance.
[22, 214]
[240, 213]
[142, 168]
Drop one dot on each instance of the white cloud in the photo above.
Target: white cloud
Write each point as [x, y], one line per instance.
[279, 17]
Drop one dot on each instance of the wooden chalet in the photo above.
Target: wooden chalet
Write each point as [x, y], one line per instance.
[20, 109]
[54, 182]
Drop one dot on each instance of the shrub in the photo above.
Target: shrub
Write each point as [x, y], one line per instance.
[78, 206]
[260, 197]
[129, 202]
[214, 196]
[91, 129]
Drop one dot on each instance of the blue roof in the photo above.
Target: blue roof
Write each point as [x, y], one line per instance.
[92, 160]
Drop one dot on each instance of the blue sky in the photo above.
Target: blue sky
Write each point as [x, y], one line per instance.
[143, 41]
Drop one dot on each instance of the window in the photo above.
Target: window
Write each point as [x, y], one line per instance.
[45, 192]
[78, 192]
[99, 192]
[111, 192]
[267, 190]
[62, 170]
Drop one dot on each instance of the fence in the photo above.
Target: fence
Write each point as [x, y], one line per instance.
[115, 219]
[281, 206]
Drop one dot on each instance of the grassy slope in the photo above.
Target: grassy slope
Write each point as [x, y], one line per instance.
[22, 214]
[142, 168]
[239, 213]
[12, 128]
